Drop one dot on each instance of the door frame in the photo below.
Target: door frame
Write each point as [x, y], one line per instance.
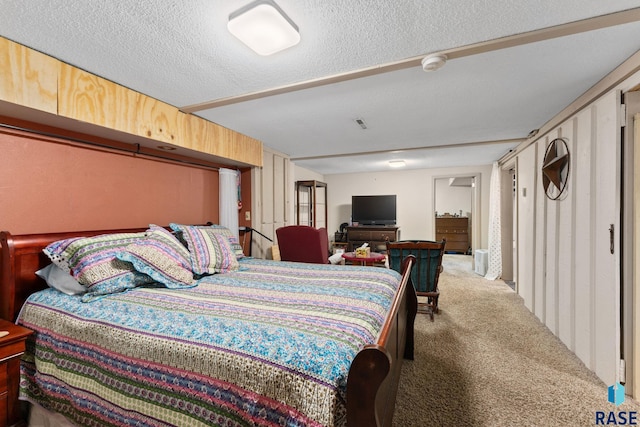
[630, 303]
[476, 207]
[630, 243]
[632, 333]
[508, 221]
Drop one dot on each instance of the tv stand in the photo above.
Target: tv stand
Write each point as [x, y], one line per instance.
[376, 236]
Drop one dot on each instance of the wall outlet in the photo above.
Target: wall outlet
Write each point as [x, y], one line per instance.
[247, 216]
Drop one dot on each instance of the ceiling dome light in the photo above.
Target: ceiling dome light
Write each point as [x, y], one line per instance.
[433, 62]
[264, 27]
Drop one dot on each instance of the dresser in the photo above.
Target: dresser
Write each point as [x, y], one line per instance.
[11, 348]
[376, 236]
[456, 230]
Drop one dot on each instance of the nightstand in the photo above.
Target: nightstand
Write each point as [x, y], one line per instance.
[11, 347]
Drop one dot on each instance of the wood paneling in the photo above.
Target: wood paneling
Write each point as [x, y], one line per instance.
[202, 135]
[635, 293]
[582, 176]
[40, 82]
[28, 78]
[88, 98]
[91, 99]
[526, 181]
[563, 245]
[271, 205]
[552, 258]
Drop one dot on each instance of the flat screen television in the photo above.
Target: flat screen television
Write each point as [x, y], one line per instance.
[373, 210]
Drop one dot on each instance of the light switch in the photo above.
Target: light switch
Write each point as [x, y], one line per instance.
[247, 216]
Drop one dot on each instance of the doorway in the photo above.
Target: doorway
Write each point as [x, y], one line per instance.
[459, 196]
[508, 226]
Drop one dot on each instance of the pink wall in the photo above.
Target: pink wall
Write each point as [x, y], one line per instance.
[48, 186]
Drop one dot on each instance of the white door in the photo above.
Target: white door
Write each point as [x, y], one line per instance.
[606, 201]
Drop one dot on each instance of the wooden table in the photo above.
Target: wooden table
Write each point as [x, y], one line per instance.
[370, 260]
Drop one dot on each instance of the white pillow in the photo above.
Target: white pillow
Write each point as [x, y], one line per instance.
[59, 279]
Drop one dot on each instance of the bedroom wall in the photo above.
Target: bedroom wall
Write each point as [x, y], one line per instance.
[304, 174]
[415, 201]
[452, 199]
[567, 274]
[51, 186]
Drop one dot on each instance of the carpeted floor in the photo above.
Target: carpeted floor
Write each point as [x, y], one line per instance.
[488, 361]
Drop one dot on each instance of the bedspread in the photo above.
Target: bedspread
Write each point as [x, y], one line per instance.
[270, 344]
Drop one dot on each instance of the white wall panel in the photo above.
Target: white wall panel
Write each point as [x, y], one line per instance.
[552, 257]
[574, 275]
[280, 212]
[271, 204]
[526, 181]
[606, 213]
[582, 183]
[565, 307]
[267, 188]
[540, 239]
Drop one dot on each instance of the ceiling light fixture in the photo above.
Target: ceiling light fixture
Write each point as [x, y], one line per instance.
[264, 27]
[433, 62]
[397, 163]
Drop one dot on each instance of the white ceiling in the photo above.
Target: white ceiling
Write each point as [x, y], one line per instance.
[471, 112]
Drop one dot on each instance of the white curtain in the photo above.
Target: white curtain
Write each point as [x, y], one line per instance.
[494, 269]
[229, 199]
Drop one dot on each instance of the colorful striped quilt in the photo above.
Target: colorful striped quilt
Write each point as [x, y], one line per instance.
[270, 344]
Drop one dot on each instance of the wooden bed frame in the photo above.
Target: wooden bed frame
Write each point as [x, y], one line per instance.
[373, 378]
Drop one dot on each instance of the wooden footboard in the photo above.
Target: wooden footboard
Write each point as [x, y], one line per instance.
[374, 375]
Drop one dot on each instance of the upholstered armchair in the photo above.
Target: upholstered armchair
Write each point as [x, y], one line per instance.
[302, 243]
[426, 270]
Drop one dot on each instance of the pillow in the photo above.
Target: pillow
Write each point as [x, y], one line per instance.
[216, 228]
[61, 280]
[211, 251]
[56, 252]
[92, 261]
[162, 257]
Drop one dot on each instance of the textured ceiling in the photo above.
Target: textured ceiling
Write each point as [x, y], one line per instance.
[480, 105]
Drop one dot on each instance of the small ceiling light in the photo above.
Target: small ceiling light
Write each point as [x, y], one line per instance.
[166, 147]
[433, 62]
[264, 27]
[397, 163]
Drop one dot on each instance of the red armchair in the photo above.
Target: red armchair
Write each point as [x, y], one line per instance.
[302, 243]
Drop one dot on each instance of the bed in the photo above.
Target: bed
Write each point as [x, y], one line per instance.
[316, 344]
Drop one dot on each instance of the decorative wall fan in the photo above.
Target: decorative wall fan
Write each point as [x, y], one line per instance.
[555, 168]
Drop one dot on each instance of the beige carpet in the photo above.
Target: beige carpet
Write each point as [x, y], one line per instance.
[487, 361]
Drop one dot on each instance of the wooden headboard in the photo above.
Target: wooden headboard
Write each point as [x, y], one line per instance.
[22, 256]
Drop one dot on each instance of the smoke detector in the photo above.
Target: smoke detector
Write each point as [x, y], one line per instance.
[433, 62]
